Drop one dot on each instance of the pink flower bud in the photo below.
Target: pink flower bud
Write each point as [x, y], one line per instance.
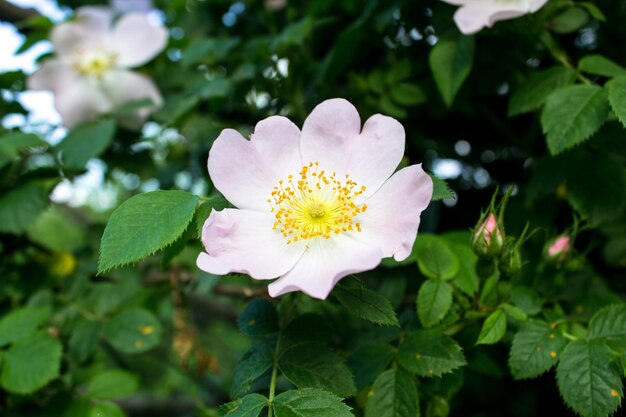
[488, 238]
[559, 248]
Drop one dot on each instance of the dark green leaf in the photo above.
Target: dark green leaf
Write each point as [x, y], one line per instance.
[429, 353]
[144, 224]
[255, 362]
[533, 92]
[435, 259]
[133, 331]
[535, 349]
[249, 406]
[407, 94]
[258, 318]
[466, 279]
[112, 384]
[393, 395]
[441, 190]
[433, 302]
[106, 409]
[493, 329]
[617, 97]
[85, 142]
[600, 65]
[309, 402]
[365, 304]
[527, 299]
[609, 324]
[451, 61]
[308, 327]
[83, 339]
[31, 198]
[572, 19]
[368, 361]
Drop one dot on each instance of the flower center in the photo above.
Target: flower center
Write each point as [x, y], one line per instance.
[94, 63]
[315, 204]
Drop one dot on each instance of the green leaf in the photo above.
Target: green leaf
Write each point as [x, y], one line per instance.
[407, 94]
[609, 324]
[572, 114]
[572, 19]
[31, 198]
[593, 10]
[106, 409]
[308, 327]
[441, 190]
[393, 395]
[365, 303]
[617, 97]
[144, 224]
[451, 61]
[85, 142]
[112, 384]
[430, 353]
[309, 402]
[435, 259]
[20, 323]
[536, 348]
[434, 299]
[57, 231]
[466, 279]
[258, 318]
[133, 331]
[527, 299]
[313, 365]
[493, 329]
[515, 312]
[30, 363]
[588, 379]
[83, 339]
[368, 361]
[12, 144]
[533, 92]
[255, 362]
[600, 65]
[249, 406]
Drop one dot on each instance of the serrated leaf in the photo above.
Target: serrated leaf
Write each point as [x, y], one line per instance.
[249, 406]
[106, 409]
[313, 365]
[588, 379]
[32, 200]
[85, 142]
[133, 331]
[451, 61]
[258, 318]
[536, 348]
[368, 361]
[533, 92]
[466, 279]
[83, 339]
[441, 190]
[112, 384]
[30, 363]
[609, 324]
[309, 402]
[617, 97]
[254, 363]
[433, 302]
[393, 395]
[527, 299]
[308, 327]
[434, 257]
[430, 353]
[21, 323]
[144, 224]
[493, 329]
[600, 65]
[572, 114]
[365, 303]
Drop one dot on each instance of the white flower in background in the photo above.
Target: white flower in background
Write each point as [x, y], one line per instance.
[473, 15]
[89, 75]
[129, 6]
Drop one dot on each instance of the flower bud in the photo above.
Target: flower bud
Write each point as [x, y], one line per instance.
[488, 238]
[558, 249]
[511, 260]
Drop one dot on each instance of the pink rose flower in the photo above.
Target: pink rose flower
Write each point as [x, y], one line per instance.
[473, 15]
[314, 205]
[89, 75]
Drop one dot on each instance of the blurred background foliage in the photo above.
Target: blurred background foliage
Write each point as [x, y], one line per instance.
[160, 337]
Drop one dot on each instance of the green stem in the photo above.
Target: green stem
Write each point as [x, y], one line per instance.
[272, 388]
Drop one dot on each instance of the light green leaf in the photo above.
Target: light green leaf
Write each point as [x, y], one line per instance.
[313, 365]
[572, 19]
[106, 409]
[368, 361]
[588, 379]
[56, 230]
[365, 303]
[133, 331]
[451, 61]
[144, 224]
[430, 353]
[30, 363]
[309, 402]
[255, 362]
[31, 199]
[407, 94]
[393, 395]
[20, 323]
[533, 92]
[258, 318]
[593, 10]
[249, 406]
[572, 114]
[493, 329]
[441, 190]
[609, 325]
[85, 142]
[515, 312]
[536, 348]
[435, 259]
[434, 299]
[600, 65]
[466, 279]
[112, 384]
[617, 97]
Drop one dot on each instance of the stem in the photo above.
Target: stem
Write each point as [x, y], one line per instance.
[272, 387]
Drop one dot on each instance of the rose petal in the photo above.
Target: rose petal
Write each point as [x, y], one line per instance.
[136, 41]
[324, 263]
[243, 241]
[332, 136]
[98, 18]
[393, 213]
[88, 31]
[245, 172]
[54, 75]
[82, 100]
[474, 15]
